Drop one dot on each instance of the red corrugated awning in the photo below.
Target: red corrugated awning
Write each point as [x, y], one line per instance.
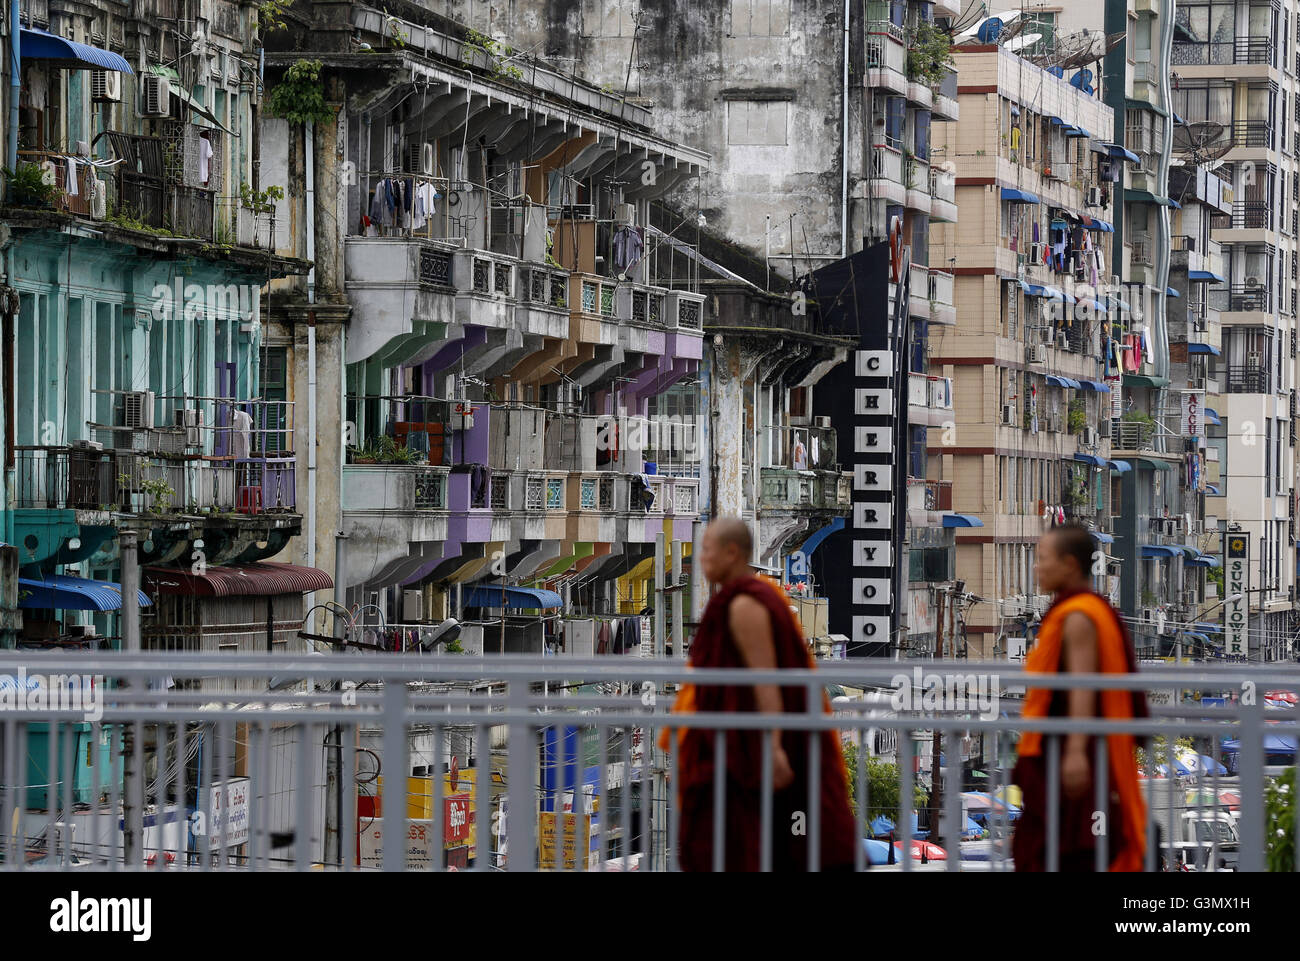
[260, 579]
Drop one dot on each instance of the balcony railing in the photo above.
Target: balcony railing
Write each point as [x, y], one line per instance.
[1239, 50]
[1241, 297]
[1142, 250]
[941, 287]
[943, 185]
[399, 429]
[801, 448]
[1252, 133]
[1248, 379]
[1252, 215]
[887, 164]
[926, 390]
[81, 202]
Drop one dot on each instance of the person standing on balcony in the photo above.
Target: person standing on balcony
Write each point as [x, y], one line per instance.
[1080, 634]
[800, 453]
[748, 623]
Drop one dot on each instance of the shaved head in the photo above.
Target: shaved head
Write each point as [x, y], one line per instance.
[734, 531]
[726, 549]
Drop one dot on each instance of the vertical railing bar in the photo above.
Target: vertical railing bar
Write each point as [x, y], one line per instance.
[437, 843]
[719, 799]
[485, 853]
[903, 853]
[625, 842]
[813, 697]
[1101, 799]
[256, 787]
[51, 786]
[1053, 745]
[393, 824]
[206, 734]
[8, 788]
[303, 788]
[765, 816]
[952, 799]
[860, 822]
[348, 736]
[602, 793]
[20, 758]
[1175, 819]
[223, 765]
[65, 853]
[1150, 857]
[674, 808]
[182, 797]
[115, 768]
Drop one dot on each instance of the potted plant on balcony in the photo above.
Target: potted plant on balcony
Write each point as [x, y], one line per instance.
[1078, 417]
[929, 54]
[389, 453]
[28, 187]
[260, 207]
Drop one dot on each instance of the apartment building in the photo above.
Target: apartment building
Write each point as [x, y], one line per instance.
[136, 385]
[1235, 68]
[1036, 183]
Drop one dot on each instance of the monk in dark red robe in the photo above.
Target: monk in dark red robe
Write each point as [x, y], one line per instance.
[749, 623]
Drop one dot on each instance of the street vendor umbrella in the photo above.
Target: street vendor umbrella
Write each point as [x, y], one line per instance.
[1012, 795]
[1209, 765]
[924, 849]
[877, 851]
[972, 831]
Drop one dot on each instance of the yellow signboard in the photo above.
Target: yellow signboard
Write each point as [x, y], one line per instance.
[577, 837]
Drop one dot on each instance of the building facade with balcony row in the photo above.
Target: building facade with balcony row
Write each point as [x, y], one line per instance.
[141, 395]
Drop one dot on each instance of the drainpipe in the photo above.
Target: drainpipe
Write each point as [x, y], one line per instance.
[844, 144]
[15, 83]
[310, 149]
[1159, 319]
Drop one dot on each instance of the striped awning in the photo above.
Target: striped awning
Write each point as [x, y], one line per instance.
[63, 592]
[43, 45]
[262, 579]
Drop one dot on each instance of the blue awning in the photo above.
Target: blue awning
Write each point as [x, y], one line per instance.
[1208, 628]
[1077, 132]
[1057, 381]
[1095, 385]
[1102, 538]
[1173, 293]
[1160, 550]
[1103, 225]
[43, 45]
[961, 520]
[1171, 202]
[1205, 560]
[1092, 459]
[1038, 290]
[1095, 306]
[1203, 349]
[1197, 636]
[1211, 415]
[1019, 196]
[525, 598]
[1058, 122]
[1119, 302]
[1120, 466]
[1205, 276]
[1212, 489]
[1115, 150]
[64, 592]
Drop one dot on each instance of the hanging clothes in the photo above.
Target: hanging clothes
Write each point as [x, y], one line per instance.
[629, 244]
[241, 426]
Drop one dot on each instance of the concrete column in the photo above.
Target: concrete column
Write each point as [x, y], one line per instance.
[734, 361]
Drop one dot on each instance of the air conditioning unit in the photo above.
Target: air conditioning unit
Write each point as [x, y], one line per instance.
[1094, 197]
[1252, 281]
[191, 418]
[1106, 169]
[137, 408]
[155, 96]
[419, 158]
[1035, 354]
[106, 86]
[1036, 253]
[1009, 414]
[625, 214]
[1062, 340]
[822, 422]
[1089, 437]
[412, 609]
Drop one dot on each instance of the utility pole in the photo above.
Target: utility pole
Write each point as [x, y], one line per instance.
[936, 792]
[132, 779]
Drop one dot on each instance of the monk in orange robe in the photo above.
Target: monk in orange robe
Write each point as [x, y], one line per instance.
[749, 623]
[1081, 633]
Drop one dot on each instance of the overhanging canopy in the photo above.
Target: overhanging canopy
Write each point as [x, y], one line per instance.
[1102, 537]
[1212, 489]
[64, 592]
[1092, 459]
[1104, 226]
[1173, 293]
[1095, 385]
[1205, 276]
[524, 598]
[1205, 560]
[264, 579]
[1159, 551]
[1212, 415]
[1145, 380]
[1152, 464]
[1058, 381]
[1115, 150]
[1203, 349]
[961, 520]
[1077, 132]
[1015, 196]
[43, 45]
[1120, 466]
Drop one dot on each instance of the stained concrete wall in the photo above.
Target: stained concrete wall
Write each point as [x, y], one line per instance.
[696, 62]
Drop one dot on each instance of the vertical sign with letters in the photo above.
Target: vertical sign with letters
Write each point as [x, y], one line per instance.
[1236, 613]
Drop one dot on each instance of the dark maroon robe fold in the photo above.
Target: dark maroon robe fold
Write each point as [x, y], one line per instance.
[714, 647]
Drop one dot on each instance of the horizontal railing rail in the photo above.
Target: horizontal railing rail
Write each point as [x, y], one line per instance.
[279, 768]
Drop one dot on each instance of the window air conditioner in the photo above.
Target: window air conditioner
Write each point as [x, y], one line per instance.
[106, 86]
[137, 408]
[155, 96]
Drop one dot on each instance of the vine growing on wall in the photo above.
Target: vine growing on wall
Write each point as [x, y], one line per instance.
[299, 98]
[496, 55]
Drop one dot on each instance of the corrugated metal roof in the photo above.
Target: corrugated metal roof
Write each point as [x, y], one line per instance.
[258, 579]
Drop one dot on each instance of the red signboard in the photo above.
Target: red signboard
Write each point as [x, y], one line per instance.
[456, 819]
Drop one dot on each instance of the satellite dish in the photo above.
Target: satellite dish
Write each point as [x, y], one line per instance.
[1201, 142]
[1022, 41]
